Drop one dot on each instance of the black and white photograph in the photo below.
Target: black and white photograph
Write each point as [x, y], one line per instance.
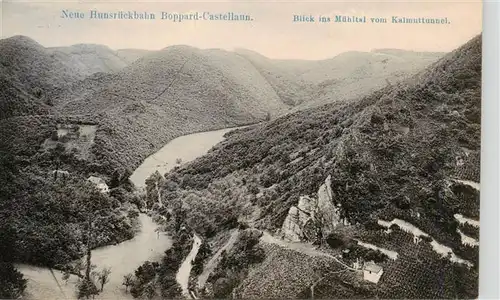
[240, 150]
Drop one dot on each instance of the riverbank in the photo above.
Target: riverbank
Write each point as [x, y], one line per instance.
[178, 151]
[122, 259]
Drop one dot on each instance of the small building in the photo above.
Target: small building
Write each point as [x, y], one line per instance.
[372, 272]
[100, 183]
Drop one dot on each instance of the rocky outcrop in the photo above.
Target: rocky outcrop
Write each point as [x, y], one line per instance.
[327, 211]
[297, 218]
[320, 211]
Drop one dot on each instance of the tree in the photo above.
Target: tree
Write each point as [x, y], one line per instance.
[128, 280]
[103, 277]
[87, 289]
[150, 291]
[12, 282]
[153, 185]
[268, 116]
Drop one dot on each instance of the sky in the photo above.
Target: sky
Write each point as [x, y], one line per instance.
[271, 33]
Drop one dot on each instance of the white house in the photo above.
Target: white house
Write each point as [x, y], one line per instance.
[100, 183]
[372, 272]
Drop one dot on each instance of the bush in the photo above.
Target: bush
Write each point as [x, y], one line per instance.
[335, 241]
[12, 282]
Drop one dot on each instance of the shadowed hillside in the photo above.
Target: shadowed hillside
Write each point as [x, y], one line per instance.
[28, 74]
[135, 110]
[31, 75]
[283, 76]
[169, 93]
[394, 154]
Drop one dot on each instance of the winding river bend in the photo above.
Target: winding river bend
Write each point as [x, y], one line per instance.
[125, 257]
[122, 258]
[184, 149]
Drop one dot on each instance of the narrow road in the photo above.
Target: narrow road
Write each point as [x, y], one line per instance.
[185, 269]
[303, 248]
[474, 185]
[214, 261]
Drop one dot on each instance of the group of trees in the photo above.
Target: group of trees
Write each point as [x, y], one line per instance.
[151, 277]
[12, 282]
[47, 220]
[91, 281]
[235, 264]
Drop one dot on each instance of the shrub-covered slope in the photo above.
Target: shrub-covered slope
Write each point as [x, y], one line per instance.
[353, 74]
[283, 76]
[28, 73]
[396, 153]
[169, 93]
[90, 59]
[346, 76]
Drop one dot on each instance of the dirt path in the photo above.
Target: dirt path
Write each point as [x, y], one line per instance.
[475, 185]
[185, 269]
[303, 248]
[214, 261]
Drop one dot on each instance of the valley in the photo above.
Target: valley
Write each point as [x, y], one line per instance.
[205, 173]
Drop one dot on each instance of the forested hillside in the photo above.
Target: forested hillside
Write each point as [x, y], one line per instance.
[395, 154]
[404, 147]
[89, 59]
[346, 76]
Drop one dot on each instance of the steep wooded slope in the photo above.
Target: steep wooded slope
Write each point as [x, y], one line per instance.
[346, 76]
[396, 153]
[28, 73]
[89, 58]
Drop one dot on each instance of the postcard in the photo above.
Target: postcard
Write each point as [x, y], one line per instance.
[240, 149]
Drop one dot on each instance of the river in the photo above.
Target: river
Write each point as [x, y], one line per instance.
[184, 149]
[122, 258]
[125, 257]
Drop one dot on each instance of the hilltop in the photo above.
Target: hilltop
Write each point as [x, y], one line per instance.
[28, 74]
[90, 58]
[407, 153]
[31, 75]
[131, 55]
[349, 75]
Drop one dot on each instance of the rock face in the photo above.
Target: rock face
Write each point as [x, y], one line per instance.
[319, 211]
[327, 211]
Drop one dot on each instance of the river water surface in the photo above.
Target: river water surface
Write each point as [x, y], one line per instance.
[185, 148]
[125, 257]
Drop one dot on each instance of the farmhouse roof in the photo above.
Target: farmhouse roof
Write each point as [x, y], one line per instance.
[372, 267]
[96, 180]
